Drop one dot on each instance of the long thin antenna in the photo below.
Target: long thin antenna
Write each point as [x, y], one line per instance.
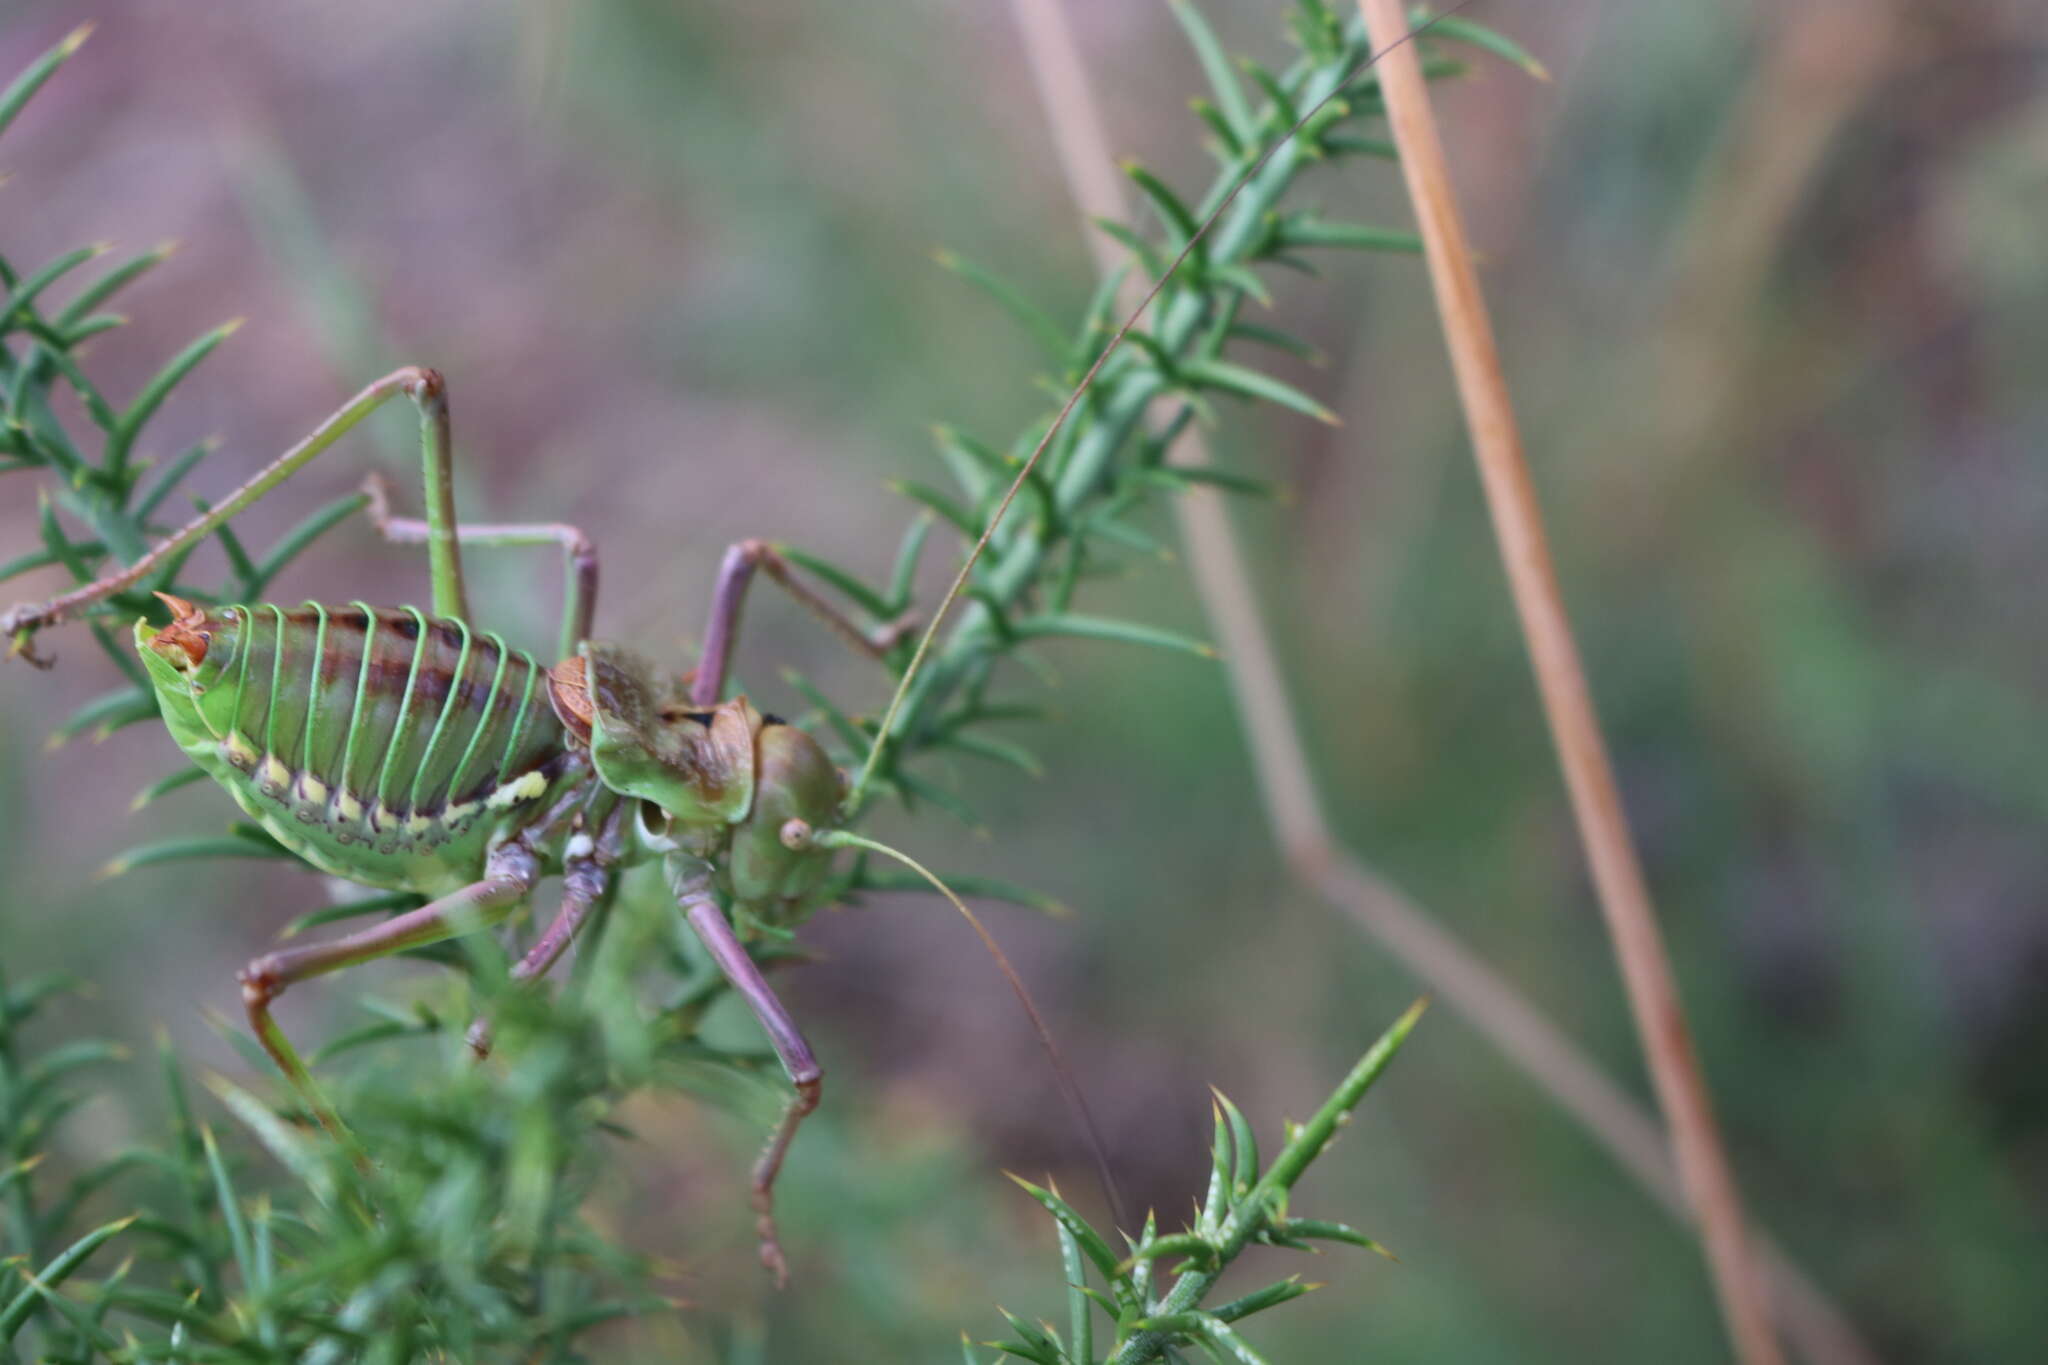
[858, 793]
[1069, 1089]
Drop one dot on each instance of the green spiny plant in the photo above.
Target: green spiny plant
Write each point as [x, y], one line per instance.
[1244, 1206]
[338, 1272]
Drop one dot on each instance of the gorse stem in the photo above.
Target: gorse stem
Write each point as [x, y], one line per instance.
[1198, 297]
[1244, 1206]
[1260, 1211]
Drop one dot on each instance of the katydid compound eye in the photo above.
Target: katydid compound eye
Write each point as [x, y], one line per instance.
[796, 834]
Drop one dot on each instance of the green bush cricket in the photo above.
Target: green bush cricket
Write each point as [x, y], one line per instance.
[408, 751]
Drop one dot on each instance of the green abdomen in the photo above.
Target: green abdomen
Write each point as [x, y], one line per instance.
[382, 745]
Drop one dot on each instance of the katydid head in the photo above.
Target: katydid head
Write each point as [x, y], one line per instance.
[184, 644]
[185, 661]
[726, 772]
[193, 652]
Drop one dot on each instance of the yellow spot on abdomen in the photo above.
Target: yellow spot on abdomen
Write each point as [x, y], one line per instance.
[512, 793]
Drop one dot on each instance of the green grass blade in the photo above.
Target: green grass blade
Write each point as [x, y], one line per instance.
[1033, 319]
[25, 85]
[295, 542]
[1454, 28]
[17, 1312]
[181, 850]
[848, 583]
[1123, 632]
[1261, 1299]
[1216, 65]
[23, 295]
[156, 390]
[1249, 383]
[109, 284]
[1080, 1308]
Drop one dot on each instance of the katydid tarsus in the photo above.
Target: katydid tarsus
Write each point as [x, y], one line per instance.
[409, 751]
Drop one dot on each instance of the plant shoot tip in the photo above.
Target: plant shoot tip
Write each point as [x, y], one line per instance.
[76, 38]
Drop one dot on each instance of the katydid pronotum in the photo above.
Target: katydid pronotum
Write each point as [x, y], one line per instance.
[411, 752]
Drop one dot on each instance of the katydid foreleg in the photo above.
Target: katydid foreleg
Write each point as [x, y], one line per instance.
[735, 572]
[579, 555]
[508, 878]
[692, 884]
[427, 390]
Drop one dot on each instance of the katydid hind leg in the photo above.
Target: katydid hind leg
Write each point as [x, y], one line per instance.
[735, 574]
[579, 554]
[509, 877]
[427, 390]
[583, 887]
[805, 1075]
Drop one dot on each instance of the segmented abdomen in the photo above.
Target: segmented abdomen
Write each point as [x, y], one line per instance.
[381, 744]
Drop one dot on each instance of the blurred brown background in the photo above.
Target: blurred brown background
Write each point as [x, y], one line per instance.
[1773, 290]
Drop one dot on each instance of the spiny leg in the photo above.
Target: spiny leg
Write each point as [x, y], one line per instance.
[734, 574]
[426, 389]
[694, 894]
[579, 556]
[508, 877]
[583, 886]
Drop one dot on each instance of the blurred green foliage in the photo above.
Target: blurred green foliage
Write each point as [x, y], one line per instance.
[1797, 493]
[465, 1234]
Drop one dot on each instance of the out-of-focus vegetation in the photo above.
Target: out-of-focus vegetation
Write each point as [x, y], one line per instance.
[1771, 289]
[453, 1217]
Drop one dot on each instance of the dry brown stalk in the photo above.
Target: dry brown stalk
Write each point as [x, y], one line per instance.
[1703, 1167]
[1491, 1004]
